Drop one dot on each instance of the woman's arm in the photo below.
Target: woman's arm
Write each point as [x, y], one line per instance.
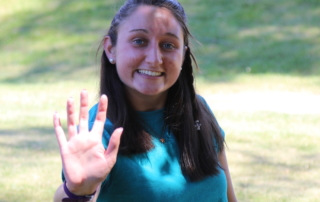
[224, 164]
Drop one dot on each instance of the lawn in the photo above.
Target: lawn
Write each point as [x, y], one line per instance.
[260, 73]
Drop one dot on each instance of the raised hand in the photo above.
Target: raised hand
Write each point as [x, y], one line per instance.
[85, 161]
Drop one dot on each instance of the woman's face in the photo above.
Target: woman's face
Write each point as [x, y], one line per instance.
[149, 52]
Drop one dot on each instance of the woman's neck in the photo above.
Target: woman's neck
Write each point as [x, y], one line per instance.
[141, 102]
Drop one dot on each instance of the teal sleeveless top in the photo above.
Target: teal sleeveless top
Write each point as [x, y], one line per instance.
[155, 175]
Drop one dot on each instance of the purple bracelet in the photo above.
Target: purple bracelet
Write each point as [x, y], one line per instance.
[75, 198]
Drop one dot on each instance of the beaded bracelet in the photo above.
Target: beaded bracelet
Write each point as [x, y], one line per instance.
[75, 198]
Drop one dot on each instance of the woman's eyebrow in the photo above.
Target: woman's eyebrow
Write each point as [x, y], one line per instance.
[146, 31]
[172, 35]
[139, 30]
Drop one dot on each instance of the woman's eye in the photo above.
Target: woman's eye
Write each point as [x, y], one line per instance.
[168, 46]
[139, 42]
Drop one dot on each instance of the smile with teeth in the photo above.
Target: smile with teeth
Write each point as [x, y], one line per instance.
[149, 73]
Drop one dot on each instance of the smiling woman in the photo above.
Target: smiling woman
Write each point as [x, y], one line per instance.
[160, 141]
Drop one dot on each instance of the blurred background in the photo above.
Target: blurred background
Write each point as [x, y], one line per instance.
[259, 70]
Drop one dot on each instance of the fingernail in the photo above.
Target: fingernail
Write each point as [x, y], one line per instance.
[55, 115]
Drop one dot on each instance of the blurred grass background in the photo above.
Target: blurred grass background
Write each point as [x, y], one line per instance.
[260, 72]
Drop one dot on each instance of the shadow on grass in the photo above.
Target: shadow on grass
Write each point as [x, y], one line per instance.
[293, 177]
[28, 139]
[254, 37]
[65, 36]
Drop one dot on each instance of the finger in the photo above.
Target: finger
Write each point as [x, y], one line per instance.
[83, 115]
[113, 146]
[61, 138]
[101, 116]
[72, 129]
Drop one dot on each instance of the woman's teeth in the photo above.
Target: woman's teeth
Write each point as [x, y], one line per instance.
[149, 73]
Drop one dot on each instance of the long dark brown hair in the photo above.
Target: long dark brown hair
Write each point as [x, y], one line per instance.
[198, 148]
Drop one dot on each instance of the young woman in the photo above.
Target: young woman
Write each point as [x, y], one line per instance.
[150, 137]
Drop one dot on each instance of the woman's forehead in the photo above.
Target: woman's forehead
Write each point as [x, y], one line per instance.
[152, 18]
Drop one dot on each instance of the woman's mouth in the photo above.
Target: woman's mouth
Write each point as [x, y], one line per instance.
[149, 73]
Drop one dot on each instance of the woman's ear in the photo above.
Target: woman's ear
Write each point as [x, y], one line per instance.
[109, 49]
[184, 52]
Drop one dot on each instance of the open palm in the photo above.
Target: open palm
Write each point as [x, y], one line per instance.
[85, 161]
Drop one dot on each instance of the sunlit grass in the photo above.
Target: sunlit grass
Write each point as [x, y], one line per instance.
[36, 103]
[15, 6]
[272, 126]
[29, 164]
[272, 156]
[259, 82]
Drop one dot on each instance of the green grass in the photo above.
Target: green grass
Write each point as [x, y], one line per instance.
[265, 36]
[273, 156]
[245, 49]
[50, 41]
[29, 155]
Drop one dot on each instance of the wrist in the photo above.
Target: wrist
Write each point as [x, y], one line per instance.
[77, 197]
[80, 189]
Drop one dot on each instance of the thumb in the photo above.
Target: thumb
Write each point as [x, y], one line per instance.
[113, 146]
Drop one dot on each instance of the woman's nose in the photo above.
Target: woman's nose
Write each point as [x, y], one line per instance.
[154, 55]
